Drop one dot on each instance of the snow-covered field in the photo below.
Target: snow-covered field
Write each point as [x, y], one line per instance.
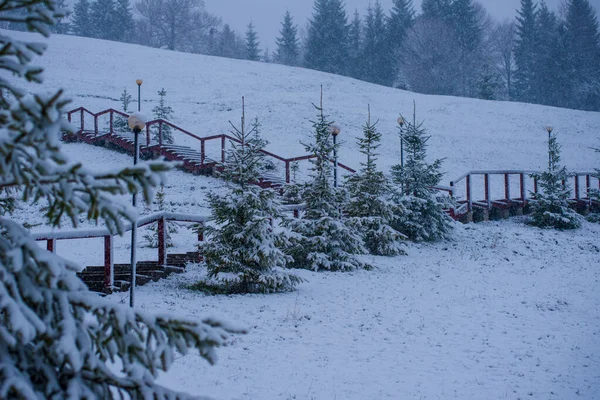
[501, 311]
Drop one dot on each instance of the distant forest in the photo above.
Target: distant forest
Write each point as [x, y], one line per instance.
[449, 47]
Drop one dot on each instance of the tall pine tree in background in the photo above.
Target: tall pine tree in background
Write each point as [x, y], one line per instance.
[243, 254]
[102, 14]
[435, 9]
[399, 22]
[525, 77]
[122, 28]
[548, 60]
[355, 46]
[370, 208]
[162, 111]
[251, 44]
[288, 47]
[82, 23]
[375, 50]
[468, 31]
[583, 44]
[58, 340]
[326, 46]
[323, 240]
[423, 217]
[551, 206]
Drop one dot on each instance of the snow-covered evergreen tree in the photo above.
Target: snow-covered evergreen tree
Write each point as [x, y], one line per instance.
[369, 207]
[151, 235]
[324, 239]
[375, 56]
[327, 38]
[422, 217]
[163, 111]
[57, 339]
[551, 206]
[244, 252]
[102, 18]
[251, 44]
[355, 46]
[288, 46]
[82, 22]
[120, 123]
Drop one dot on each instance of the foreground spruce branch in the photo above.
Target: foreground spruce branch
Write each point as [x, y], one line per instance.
[57, 339]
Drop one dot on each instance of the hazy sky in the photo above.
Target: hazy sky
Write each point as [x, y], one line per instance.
[268, 14]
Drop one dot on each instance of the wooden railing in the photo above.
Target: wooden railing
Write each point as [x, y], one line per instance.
[503, 188]
[82, 112]
[161, 218]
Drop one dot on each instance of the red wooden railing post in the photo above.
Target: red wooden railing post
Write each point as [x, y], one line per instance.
[202, 152]
[147, 135]
[523, 188]
[577, 186]
[486, 182]
[162, 243]
[201, 232]
[160, 134]
[469, 199]
[110, 132]
[109, 275]
[507, 188]
[51, 245]
[287, 171]
[82, 124]
[96, 124]
[223, 149]
[69, 116]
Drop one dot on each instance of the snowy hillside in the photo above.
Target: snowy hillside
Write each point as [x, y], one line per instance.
[500, 311]
[206, 92]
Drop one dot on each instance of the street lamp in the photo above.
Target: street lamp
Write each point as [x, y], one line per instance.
[335, 130]
[549, 129]
[136, 122]
[139, 83]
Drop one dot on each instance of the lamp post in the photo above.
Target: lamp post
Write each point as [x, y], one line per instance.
[139, 83]
[136, 122]
[401, 125]
[335, 130]
[549, 129]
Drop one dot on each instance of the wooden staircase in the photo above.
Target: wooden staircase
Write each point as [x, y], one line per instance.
[147, 271]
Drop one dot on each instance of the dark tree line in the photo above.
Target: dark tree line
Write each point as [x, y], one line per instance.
[452, 47]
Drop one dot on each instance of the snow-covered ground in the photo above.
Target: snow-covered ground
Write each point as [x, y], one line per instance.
[502, 311]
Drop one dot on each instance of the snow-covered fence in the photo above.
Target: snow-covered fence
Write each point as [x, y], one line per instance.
[508, 188]
[161, 218]
[211, 149]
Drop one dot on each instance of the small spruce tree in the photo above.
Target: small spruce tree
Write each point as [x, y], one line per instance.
[163, 111]
[422, 216]
[57, 339]
[370, 207]
[151, 235]
[324, 239]
[120, 124]
[551, 206]
[244, 252]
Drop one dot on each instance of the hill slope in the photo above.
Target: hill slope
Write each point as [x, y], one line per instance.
[206, 92]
